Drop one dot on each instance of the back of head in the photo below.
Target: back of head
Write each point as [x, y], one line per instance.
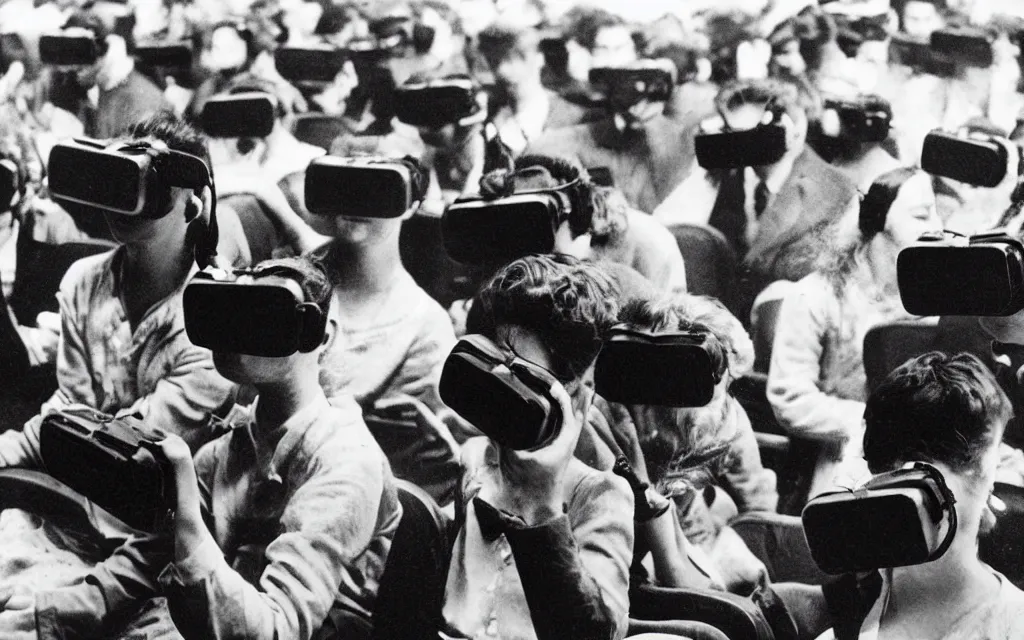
[875, 205]
[569, 304]
[935, 408]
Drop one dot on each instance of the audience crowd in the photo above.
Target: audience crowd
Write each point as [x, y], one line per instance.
[331, 492]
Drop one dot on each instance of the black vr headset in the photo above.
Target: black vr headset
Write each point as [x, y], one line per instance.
[10, 183]
[893, 520]
[507, 398]
[239, 115]
[309, 66]
[257, 318]
[667, 369]
[363, 187]
[64, 50]
[627, 85]
[480, 231]
[130, 178]
[437, 103]
[165, 55]
[982, 277]
[866, 119]
[946, 51]
[981, 163]
[115, 462]
[762, 145]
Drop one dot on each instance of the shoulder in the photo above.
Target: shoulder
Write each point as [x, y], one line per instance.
[431, 317]
[85, 274]
[598, 494]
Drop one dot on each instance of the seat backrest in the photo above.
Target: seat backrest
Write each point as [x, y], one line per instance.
[260, 231]
[1003, 546]
[710, 261]
[423, 254]
[318, 129]
[889, 345]
[654, 629]
[411, 591]
[735, 616]
[763, 333]
[778, 541]
[41, 267]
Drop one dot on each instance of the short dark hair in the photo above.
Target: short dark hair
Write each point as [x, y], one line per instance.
[875, 205]
[584, 23]
[503, 40]
[311, 276]
[782, 94]
[122, 27]
[174, 132]
[570, 304]
[935, 408]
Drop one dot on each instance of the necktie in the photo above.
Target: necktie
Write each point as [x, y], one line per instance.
[761, 195]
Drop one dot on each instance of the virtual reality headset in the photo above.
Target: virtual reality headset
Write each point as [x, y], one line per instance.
[68, 50]
[984, 277]
[967, 47]
[309, 66]
[363, 187]
[116, 463]
[893, 520]
[239, 115]
[435, 104]
[628, 85]
[866, 119]
[982, 163]
[257, 318]
[167, 55]
[507, 398]
[479, 231]
[668, 369]
[762, 145]
[130, 178]
[10, 183]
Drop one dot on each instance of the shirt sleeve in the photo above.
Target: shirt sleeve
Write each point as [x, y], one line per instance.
[328, 523]
[122, 580]
[575, 568]
[794, 377]
[183, 399]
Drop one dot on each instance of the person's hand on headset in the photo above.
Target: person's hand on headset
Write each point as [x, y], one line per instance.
[532, 484]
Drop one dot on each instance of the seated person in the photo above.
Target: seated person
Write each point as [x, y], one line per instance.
[689, 451]
[777, 217]
[647, 153]
[311, 531]
[557, 550]
[42, 221]
[947, 411]
[527, 109]
[122, 345]
[816, 380]
[394, 337]
[327, 493]
[124, 95]
[613, 231]
[593, 37]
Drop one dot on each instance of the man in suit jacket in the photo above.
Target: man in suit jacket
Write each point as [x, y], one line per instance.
[525, 109]
[778, 217]
[647, 153]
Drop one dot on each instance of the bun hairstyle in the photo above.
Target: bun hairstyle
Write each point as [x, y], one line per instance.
[504, 176]
[875, 204]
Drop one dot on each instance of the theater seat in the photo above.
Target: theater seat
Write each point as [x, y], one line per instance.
[318, 129]
[1003, 546]
[778, 541]
[710, 261]
[735, 616]
[654, 629]
[411, 591]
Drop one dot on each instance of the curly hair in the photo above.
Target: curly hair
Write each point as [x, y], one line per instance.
[309, 274]
[568, 303]
[935, 408]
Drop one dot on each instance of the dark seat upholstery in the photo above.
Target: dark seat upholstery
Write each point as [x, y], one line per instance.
[710, 261]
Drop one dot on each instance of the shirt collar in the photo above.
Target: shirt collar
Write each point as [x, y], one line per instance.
[294, 428]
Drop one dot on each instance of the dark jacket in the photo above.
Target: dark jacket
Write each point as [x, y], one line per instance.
[132, 100]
